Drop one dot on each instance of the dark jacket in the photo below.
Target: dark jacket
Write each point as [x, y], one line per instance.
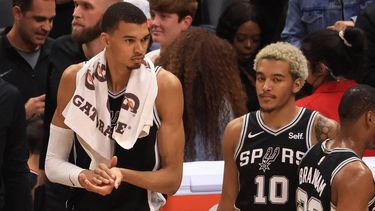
[15, 191]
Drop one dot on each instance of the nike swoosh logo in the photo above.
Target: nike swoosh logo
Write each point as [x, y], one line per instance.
[253, 135]
[5, 73]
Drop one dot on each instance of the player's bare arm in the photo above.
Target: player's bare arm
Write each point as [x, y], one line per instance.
[324, 128]
[65, 93]
[230, 184]
[353, 186]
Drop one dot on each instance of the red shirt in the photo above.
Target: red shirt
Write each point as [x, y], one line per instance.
[326, 99]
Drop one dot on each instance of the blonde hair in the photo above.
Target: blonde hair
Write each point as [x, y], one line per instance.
[286, 52]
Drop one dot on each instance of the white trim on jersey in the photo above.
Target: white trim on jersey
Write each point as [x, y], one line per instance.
[245, 122]
[118, 94]
[156, 200]
[310, 128]
[156, 115]
[284, 128]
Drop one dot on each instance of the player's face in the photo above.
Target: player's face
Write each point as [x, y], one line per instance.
[247, 40]
[274, 85]
[86, 20]
[127, 44]
[35, 24]
[166, 27]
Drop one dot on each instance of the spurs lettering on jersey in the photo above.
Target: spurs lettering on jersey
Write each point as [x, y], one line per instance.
[265, 160]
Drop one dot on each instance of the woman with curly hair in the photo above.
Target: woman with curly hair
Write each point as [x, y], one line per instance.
[207, 68]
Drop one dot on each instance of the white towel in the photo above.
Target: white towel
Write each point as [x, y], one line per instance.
[87, 113]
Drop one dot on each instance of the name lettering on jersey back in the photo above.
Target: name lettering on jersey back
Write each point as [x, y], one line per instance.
[297, 136]
[265, 157]
[312, 176]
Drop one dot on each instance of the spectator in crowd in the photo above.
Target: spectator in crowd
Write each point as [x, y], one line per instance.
[366, 22]
[15, 191]
[239, 25]
[262, 149]
[335, 60]
[139, 110]
[345, 181]
[213, 94]
[24, 51]
[306, 16]
[169, 19]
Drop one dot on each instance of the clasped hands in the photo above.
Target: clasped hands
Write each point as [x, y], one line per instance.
[103, 179]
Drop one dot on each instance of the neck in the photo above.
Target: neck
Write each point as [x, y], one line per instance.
[118, 76]
[280, 117]
[349, 138]
[90, 49]
[17, 42]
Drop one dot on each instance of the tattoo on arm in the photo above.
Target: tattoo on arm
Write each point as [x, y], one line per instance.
[325, 128]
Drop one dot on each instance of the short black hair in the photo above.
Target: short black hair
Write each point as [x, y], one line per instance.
[356, 101]
[25, 5]
[121, 11]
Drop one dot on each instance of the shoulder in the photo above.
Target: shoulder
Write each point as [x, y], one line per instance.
[357, 172]
[70, 73]
[324, 128]
[169, 100]
[232, 133]
[167, 80]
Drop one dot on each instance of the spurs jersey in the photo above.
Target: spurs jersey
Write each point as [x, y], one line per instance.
[143, 156]
[267, 161]
[316, 172]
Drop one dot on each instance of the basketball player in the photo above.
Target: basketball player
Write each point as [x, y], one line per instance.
[332, 175]
[262, 149]
[154, 163]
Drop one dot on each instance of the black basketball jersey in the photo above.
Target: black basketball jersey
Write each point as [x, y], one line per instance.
[143, 156]
[267, 161]
[315, 175]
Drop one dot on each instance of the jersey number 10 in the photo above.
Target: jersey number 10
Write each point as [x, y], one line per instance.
[278, 190]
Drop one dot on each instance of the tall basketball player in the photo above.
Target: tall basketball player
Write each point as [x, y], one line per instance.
[138, 175]
[262, 149]
[332, 175]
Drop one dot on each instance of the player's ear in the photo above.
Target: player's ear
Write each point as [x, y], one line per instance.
[105, 38]
[297, 86]
[370, 118]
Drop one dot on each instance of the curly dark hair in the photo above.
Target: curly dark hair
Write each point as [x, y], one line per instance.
[207, 68]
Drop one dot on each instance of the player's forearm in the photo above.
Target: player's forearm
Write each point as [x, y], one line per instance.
[57, 168]
[165, 181]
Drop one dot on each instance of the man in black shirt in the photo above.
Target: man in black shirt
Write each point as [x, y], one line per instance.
[24, 51]
[15, 192]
